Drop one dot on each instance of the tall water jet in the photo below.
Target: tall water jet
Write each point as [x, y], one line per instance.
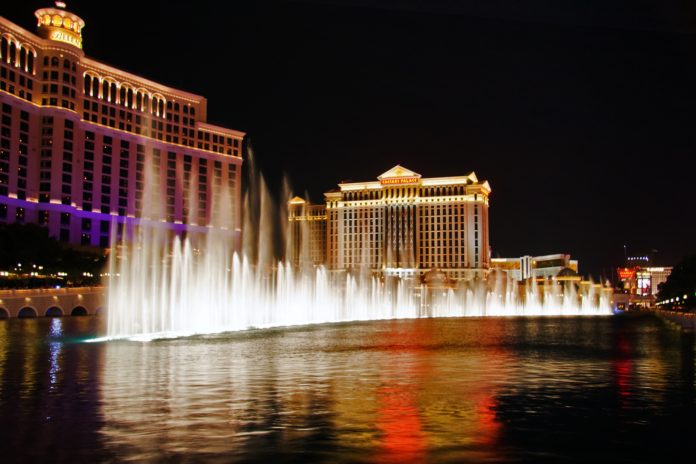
[165, 286]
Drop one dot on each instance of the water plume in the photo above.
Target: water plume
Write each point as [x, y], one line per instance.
[162, 285]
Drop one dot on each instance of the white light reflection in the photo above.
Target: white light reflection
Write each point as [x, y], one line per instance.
[55, 346]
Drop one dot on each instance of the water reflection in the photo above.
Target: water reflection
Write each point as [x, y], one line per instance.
[395, 391]
[55, 344]
[451, 390]
[48, 399]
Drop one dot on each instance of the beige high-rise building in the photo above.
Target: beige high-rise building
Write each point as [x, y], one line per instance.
[403, 224]
[307, 231]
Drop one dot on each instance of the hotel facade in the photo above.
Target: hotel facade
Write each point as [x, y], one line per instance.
[78, 136]
[536, 267]
[399, 224]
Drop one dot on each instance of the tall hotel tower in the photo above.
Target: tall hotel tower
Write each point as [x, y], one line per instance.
[77, 137]
[400, 224]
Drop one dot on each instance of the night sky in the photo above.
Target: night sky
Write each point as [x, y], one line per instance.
[580, 113]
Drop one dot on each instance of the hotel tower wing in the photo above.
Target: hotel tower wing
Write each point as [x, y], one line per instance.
[399, 224]
[77, 137]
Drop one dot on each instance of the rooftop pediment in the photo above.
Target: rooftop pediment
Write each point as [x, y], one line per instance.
[297, 201]
[398, 171]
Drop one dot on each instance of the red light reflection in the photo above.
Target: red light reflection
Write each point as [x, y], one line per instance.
[622, 369]
[399, 421]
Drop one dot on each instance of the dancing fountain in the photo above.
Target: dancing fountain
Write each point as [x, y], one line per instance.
[162, 286]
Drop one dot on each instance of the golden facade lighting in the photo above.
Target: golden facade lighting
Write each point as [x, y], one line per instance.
[404, 224]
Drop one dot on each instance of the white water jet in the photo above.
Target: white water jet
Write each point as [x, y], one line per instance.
[161, 286]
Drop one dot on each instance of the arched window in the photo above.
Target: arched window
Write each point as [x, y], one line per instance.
[129, 98]
[138, 100]
[105, 90]
[112, 92]
[88, 84]
[23, 58]
[55, 61]
[122, 95]
[4, 45]
[66, 63]
[12, 53]
[161, 108]
[30, 62]
[146, 102]
[176, 107]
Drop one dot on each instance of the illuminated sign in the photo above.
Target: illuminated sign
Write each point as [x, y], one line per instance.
[643, 283]
[626, 273]
[399, 180]
[66, 37]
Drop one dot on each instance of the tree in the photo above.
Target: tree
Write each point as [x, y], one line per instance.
[682, 281]
[27, 248]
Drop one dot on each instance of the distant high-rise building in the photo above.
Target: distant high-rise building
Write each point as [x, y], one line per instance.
[403, 224]
[307, 235]
[78, 135]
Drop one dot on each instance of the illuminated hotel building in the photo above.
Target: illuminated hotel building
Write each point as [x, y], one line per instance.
[307, 232]
[642, 280]
[526, 267]
[77, 135]
[403, 224]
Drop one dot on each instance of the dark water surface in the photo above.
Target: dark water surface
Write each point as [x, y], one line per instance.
[437, 390]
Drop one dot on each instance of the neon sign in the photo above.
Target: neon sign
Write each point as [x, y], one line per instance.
[626, 273]
[398, 180]
[66, 37]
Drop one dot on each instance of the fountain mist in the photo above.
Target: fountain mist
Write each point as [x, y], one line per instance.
[164, 286]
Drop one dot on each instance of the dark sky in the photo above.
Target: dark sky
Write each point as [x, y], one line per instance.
[580, 113]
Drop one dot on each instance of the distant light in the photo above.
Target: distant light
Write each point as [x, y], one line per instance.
[60, 4]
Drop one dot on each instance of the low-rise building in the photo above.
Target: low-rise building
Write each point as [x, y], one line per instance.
[527, 267]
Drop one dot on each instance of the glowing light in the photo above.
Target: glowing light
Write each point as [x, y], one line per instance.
[399, 180]
[65, 37]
